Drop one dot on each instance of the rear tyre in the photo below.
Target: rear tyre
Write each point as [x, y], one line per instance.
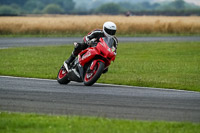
[62, 76]
[92, 76]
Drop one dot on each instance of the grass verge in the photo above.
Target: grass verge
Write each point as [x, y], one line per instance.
[155, 64]
[32, 123]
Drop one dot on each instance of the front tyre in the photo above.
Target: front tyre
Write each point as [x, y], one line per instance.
[62, 76]
[91, 76]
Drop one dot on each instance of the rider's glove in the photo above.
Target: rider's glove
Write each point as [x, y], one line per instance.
[91, 42]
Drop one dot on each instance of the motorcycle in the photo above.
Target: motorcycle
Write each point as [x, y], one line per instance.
[90, 63]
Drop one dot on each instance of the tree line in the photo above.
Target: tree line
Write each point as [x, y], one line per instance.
[22, 7]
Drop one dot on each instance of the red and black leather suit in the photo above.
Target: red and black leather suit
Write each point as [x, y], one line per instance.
[95, 34]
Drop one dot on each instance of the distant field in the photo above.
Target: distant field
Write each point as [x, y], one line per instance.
[79, 25]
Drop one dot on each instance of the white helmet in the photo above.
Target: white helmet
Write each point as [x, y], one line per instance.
[109, 28]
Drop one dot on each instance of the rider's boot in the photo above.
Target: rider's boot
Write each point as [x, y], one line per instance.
[78, 47]
[70, 60]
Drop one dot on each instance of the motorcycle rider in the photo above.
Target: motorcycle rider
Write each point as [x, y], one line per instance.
[109, 30]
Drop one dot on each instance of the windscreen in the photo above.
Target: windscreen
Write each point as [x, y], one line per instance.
[109, 41]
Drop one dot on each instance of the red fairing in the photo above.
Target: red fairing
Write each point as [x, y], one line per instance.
[100, 52]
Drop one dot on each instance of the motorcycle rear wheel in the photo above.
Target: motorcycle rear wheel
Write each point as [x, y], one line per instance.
[92, 76]
[62, 76]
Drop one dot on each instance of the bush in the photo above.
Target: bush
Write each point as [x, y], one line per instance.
[32, 5]
[53, 9]
[109, 8]
[8, 10]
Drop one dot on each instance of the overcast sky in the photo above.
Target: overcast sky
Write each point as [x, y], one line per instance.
[197, 2]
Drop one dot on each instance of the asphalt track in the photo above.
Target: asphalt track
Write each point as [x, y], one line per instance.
[21, 42]
[135, 103]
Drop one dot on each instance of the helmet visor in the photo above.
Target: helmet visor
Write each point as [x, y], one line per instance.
[109, 31]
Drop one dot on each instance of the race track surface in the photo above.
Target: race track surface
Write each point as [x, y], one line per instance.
[47, 96]
[16, 42]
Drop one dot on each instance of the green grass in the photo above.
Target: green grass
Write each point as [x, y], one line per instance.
[32, 123]
[156, 64]
[164, 65]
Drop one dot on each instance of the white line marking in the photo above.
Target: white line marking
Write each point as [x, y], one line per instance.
[112, 85]
[162, 89]
[27, 78]
[4, 47]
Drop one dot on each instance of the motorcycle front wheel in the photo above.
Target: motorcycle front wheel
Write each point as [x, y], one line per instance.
[62, 76]
[91, 76]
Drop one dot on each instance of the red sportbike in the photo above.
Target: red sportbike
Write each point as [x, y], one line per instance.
[90, 63]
